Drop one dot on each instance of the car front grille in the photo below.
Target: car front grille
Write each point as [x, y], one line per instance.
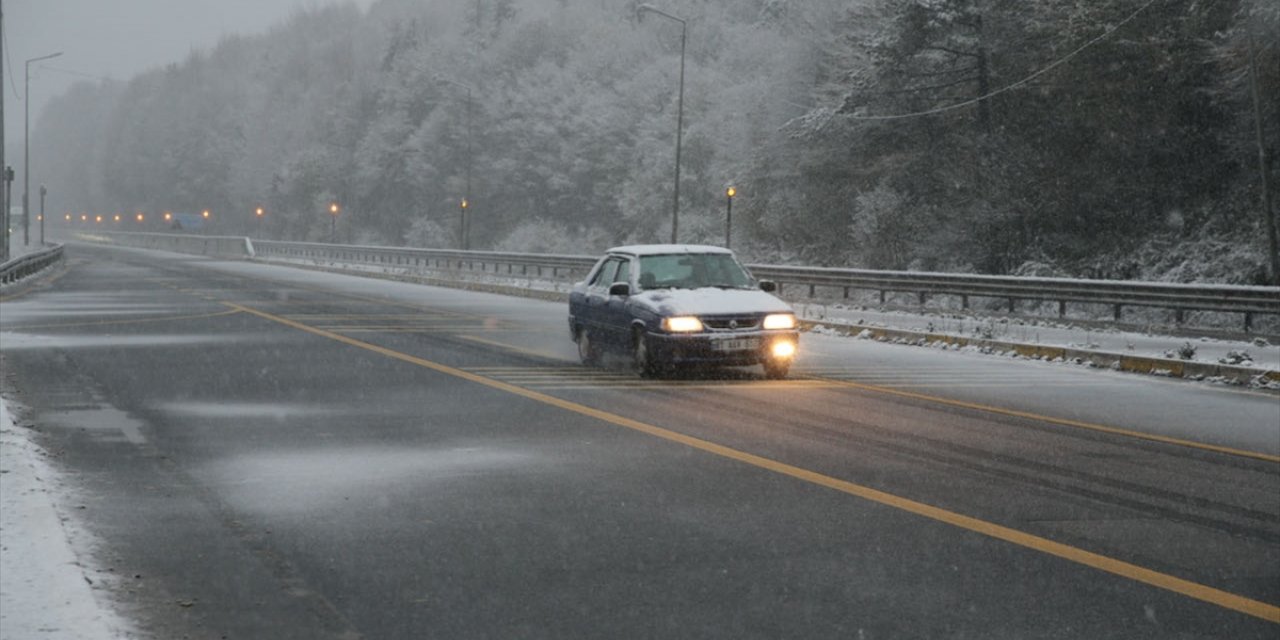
[731, 323]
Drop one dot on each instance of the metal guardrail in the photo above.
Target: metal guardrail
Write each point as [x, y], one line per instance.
[215, 246]
[558, 267]
[1181, 298]
[1246, 300]
[23, 266]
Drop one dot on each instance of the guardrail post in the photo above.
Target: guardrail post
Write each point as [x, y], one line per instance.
[882, 292]
[920, 295]
[1013, 304]
[1116, 315]
[1178, 316]
[846, 293]
[964, 302]
[1062, 308]
[811, 289]
[1248, 321]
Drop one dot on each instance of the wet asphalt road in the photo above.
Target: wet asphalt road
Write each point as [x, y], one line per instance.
[272, 453]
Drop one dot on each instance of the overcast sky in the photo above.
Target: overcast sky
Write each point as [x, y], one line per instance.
[116, 39]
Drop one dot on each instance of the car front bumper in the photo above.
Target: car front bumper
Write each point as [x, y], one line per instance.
[733, 349]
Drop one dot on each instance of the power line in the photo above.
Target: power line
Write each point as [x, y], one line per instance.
[1020, 83]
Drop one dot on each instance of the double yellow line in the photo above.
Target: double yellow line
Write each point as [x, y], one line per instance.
[1131, 571]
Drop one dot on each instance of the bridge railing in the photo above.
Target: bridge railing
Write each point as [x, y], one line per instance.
[1249, 301]
[25, 265]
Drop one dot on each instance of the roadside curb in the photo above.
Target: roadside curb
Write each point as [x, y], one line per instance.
[1166, 367]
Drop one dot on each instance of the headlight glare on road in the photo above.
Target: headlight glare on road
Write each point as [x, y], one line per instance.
[780, 321]
[682, 324]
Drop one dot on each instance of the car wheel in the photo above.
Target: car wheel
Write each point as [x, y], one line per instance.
[588, 352]
[776, 369]
[641, 356]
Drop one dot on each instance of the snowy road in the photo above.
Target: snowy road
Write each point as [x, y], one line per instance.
[269, 452]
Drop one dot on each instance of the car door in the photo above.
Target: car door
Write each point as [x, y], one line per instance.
[616, 315]
[595, 312]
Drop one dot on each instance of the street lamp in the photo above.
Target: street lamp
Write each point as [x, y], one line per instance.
[463, 227]
[26, 146]
[462, 222]
[8, 197]
[675, 205]
[43, 192]
[333, 223]
[728, 214]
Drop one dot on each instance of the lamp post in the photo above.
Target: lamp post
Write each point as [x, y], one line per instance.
[26, 145]
[675, 205]
[728, 214]
[333, 222]
[8, 198]
[43, 192]
[462, 223]
[464, 229]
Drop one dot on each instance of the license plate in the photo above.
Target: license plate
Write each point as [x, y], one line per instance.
[736, 344]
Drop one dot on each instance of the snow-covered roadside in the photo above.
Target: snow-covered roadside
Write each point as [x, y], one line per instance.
[44, 591]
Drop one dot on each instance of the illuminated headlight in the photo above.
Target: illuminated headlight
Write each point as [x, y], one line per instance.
[780, 321]
[682, 324]
[784, 349]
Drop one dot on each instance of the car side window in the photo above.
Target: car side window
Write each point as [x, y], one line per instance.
[624, 272]
[605, 277]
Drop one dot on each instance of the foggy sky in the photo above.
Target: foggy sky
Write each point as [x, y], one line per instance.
[116, 39]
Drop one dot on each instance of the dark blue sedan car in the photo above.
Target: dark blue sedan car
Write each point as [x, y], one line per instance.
[667, 305]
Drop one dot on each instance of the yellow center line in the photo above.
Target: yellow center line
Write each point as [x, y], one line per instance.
[1117, 431]
[1097, 561]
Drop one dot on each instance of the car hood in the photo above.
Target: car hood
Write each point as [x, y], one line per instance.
[710, 301]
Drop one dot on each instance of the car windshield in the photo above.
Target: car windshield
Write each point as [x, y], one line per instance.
[692, 271]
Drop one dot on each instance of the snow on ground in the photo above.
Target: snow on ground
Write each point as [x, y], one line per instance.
[1049, 332]
[44, 590]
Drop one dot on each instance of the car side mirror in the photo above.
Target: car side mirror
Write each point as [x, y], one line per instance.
[768, 286]
[620, 289]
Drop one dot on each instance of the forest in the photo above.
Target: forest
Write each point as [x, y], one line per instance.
[1122, 139]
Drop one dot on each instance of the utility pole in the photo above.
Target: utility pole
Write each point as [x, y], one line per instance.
[1268, 214]
[4, 168]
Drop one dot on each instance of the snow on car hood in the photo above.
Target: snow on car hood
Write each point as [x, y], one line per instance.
[710, 301]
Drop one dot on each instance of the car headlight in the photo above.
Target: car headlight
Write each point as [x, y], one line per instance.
[682, 324]
[780, 321]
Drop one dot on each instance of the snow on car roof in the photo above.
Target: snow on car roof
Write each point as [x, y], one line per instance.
[666, 249]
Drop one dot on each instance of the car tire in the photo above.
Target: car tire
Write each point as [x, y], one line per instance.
[775, 369]
[641, 357]
[588, 351]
